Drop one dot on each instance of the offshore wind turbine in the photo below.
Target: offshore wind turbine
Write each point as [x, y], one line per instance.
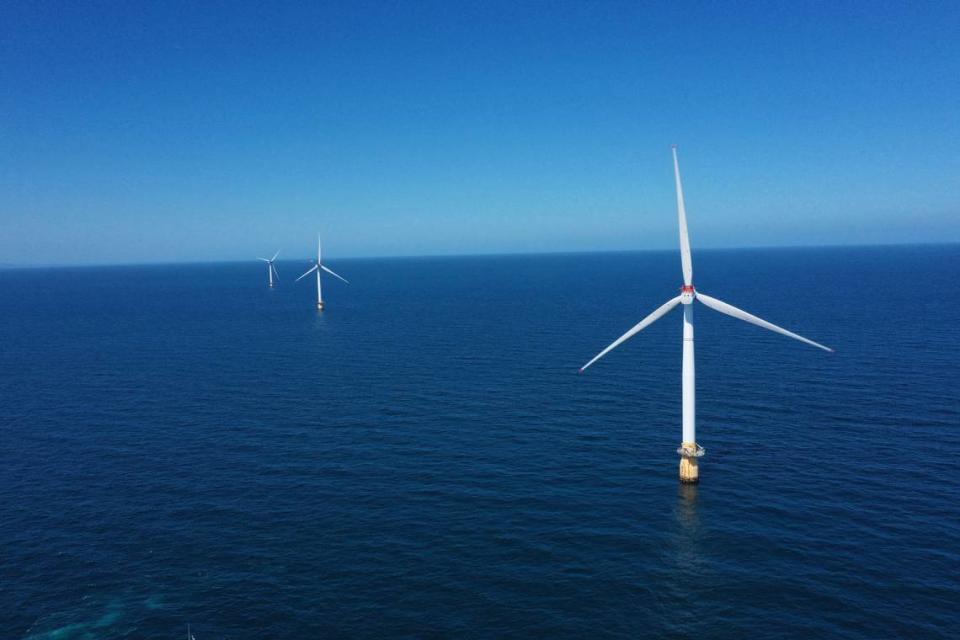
[271, 269]
[689, 450]
[318, 268]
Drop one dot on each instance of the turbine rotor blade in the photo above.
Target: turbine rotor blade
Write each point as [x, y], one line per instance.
[264, 259]
[275, 255]
[685, 259]
[637, 328]
[324, 267]
[275, 272]
[309, 271]
[730, 310]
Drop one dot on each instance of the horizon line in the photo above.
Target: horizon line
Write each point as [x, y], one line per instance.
[67, 265]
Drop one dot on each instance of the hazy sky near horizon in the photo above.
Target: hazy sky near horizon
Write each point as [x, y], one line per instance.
[142, 132]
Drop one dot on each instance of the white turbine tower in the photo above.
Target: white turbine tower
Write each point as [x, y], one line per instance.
[271, 269]
[689, 450]
[318, 267]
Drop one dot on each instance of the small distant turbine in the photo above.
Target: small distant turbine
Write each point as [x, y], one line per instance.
[318, 267]
[689, 450]
[271, 269]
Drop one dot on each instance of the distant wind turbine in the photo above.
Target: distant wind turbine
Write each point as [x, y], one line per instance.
[689, 450]
[271, 268]
[318, 267]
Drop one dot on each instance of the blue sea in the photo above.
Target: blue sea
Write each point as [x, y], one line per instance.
[181, 444]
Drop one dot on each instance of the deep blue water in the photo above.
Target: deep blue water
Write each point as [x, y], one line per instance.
[181, 444]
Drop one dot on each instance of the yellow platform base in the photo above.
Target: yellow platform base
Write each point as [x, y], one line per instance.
[689, 466]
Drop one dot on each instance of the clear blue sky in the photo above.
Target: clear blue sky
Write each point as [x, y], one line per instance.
[135, 132]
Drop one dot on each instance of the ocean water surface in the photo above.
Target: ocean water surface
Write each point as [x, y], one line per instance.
[180, 444]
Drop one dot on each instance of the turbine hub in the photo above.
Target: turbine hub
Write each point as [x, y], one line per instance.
[687, 294]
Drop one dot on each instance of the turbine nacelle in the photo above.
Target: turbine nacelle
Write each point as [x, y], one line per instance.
[687, 294]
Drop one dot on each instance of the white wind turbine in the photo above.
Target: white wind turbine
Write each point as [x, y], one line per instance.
[271, 269]
[318, 267]
[689, 450]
